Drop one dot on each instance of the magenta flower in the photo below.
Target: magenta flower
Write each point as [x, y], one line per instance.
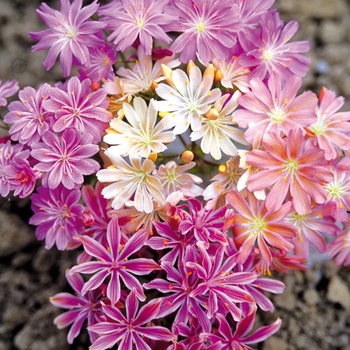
[29, 119]
[7, 89]
[65, 159]
[275, 107]
[79, 108]
[206, 32]
[71, 33]
[113, 261]
[128, 330]
[226, 339]
[140, 19]
[56, 213]
[81, 308]
[269, 49]
[288, 166]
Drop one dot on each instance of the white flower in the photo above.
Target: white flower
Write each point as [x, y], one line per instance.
[140, 135]
[191, 99]
[128, 180]
[143, 74]
[217, 130]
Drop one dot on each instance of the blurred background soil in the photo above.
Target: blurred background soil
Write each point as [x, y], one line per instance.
[315, 308]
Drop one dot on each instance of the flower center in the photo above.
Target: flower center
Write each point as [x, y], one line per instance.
[277, 115]
[335, 189]
[258, 225]
[290, 167]
[200, 26]
[318, 128]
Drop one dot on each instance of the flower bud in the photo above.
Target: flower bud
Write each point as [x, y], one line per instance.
[187, 157]
[153, 156]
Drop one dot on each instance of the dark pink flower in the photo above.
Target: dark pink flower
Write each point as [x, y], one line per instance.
[56, 213]
[29, 119]
[80, 308]
[80, 108]
[113, 262]
[129, 329]
[65, 158]
[238, 339]
[7, 89]
[71, 33]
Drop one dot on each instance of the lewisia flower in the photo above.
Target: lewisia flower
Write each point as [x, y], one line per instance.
[65, 158]
[137, 19]
[332, 128]
[7, 89]
[267, 49]
[217, 130]
[79, 108]
[129, 330]
[71, 33]
[29, 119]
[175, 177]
[143, 75]
[274, 107]
[206, 32]
[288, 166]
[252, 222]
[140, 134]
[188, 99]
[131, 180]
[113, 262]
[80, 308]
[224, 338]
[56, 215]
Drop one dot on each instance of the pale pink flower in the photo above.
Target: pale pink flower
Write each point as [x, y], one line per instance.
[274, 107]
[131, 180]
[288, 166]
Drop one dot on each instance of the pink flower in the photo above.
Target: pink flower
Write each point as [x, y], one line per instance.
[225, 338]
[29, 119]
[7, 89]
[268, 49]
[80, 308]
[274, 107]
[128, 330]
[332, 128]
[71, 33]
[79, 108]
[140, 19]
[56, 213]
[205, 30]
[65, 158]
[113, 262]
[252, 222]
[288, 166]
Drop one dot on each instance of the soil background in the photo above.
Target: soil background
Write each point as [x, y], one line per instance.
[315, 307]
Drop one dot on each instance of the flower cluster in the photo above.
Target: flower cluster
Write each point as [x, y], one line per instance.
[183, 162]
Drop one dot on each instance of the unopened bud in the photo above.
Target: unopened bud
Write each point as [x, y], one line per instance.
[153, 156]
[209, 71]
[87, 219]
[189, 66]
[218, 75]
[222, 168]
[212, 114]
[187, 157]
